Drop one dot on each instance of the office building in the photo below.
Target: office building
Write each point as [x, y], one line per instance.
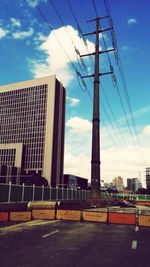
[148, 178]
[117, 182]
[133, 184]
[73, 181]
[32, 123]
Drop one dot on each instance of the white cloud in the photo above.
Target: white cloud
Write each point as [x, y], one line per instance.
[34, 3]
[40, 37]
[125, 159]
[3, 32]
[60, 53]
[23, 34]
[73, 101]
[132, 21]
[15, 22]
[79, 125]
[146, 130]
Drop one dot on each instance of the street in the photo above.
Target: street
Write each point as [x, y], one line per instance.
[74, 244]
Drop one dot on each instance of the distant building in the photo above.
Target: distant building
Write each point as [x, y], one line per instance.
[133, 184]
[117, 182]
[148, 178]
[73, 181]
[32, 120]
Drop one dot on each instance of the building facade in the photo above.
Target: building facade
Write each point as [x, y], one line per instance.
[148, 178]
[75, 182]
[133, 184]
[32, 123]
[117, 182]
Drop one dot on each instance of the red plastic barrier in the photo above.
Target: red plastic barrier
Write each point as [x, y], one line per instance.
[122, 218]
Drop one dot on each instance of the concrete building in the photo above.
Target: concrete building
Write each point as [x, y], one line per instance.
[32, 123]
[118, 183]
[133, 184]
[73, 181]
[148, 178]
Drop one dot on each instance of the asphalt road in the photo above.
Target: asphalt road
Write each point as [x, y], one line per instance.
[73, 244]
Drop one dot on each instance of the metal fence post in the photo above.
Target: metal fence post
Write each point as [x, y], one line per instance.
[76, 193]
[67, 194]
[62, 193]
[56, 192]
[22, 193]
[71, 193]
[42, 192]
[33, 192]
[9, 192]
[50, 192]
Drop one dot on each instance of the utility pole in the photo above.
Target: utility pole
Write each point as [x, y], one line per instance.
[95, 157]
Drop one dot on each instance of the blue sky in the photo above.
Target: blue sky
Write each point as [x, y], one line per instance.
[30, 48]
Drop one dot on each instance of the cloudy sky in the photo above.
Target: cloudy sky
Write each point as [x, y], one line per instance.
[39, 38]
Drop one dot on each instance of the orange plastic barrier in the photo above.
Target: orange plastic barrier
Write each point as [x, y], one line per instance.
[122, 218]
[3, 216]
[70, 215]
[20, 216]
[92, 216]
[43, 214]
[144, 220]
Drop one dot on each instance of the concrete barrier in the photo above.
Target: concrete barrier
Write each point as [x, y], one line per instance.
[93, 216]
[21, 216]
[70, 215]
[4, 216]
[43, 214]
[121, 218]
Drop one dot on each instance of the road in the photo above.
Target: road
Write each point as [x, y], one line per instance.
[74, 244]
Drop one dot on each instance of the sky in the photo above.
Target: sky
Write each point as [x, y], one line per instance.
[39, 38]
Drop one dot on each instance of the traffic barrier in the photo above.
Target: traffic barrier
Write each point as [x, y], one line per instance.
[93, 216]
[122, 218]
[21, 216]
[39, 205]
[4, 216]
[43, 214]
[144, 220]
[70, 215]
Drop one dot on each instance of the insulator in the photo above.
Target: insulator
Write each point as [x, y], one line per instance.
[79, 30]
[78, 73]
[113, 39]
[114, 79]
[111, 68]
[83, 82]
[116, 58]
[77, 51]
[82, 62]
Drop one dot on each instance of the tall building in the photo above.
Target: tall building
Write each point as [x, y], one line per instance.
[32, 123]
[118, 183]
[148, 177]
[133, 184]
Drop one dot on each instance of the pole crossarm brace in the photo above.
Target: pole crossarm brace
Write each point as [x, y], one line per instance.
[100, 52]
[100, 31]
[104, 17]
[100, 74]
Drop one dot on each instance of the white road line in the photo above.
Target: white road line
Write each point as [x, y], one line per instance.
[52, 233]
[136, 229]
[134, 244]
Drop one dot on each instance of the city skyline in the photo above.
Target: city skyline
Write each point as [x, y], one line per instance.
[31, 48]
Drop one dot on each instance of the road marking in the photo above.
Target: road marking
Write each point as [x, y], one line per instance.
[52, 233]
[134, 244]
[136, 229]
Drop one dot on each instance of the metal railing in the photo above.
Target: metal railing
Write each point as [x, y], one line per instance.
[10, 193]
[131, 196]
